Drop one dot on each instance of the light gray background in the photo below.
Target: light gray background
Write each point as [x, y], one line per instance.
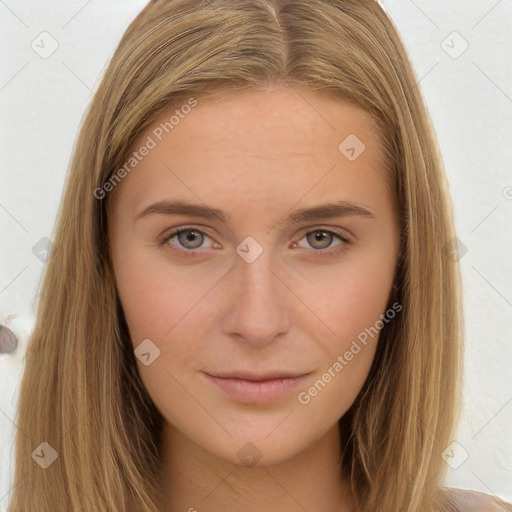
[42, 101]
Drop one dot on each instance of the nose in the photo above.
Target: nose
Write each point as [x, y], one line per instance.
[260, 303]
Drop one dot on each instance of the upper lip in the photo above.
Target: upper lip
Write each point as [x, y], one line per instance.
[243, 375]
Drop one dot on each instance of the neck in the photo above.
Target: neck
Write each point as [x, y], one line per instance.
[196, 480]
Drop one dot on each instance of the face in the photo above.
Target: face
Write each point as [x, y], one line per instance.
[251, 324]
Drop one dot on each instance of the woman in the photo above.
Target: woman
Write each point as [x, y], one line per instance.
[199, 345]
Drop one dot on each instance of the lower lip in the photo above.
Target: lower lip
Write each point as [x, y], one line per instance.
[257, 392]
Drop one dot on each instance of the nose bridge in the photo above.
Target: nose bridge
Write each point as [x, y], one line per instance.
[259, 302]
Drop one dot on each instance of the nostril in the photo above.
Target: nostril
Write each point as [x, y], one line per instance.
[8, 340]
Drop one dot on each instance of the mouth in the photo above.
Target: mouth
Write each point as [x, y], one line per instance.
[257, 389]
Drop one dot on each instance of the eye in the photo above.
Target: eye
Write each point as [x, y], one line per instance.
[322, 240]
[188, 238]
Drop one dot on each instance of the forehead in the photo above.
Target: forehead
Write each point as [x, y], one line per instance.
[257, 145]
[269, 122]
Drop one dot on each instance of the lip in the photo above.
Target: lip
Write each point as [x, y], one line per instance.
[257, 389]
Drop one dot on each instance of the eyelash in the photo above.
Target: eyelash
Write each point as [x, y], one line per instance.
[194, 253]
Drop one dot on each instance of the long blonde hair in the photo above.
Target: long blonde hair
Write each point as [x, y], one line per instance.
[81, 392]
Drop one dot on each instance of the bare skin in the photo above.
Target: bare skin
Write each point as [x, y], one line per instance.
[258, 157]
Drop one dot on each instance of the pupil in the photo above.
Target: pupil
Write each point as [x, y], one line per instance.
[189, 237]
[320, 235]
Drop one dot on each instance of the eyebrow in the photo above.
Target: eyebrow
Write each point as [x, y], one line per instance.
[317, 213]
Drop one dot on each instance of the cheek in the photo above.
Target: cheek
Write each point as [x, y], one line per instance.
[351, 298]
[158, 298]
[351, 305]
[169, 307]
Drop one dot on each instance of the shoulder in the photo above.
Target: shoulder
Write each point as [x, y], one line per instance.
[462, 500]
